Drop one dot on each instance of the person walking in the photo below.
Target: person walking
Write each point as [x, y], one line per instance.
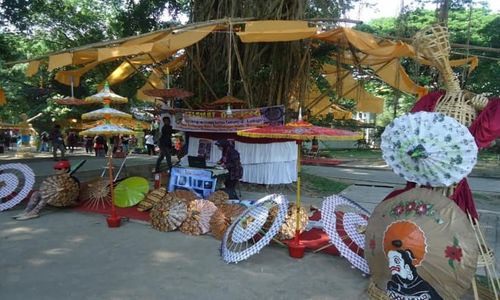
[231, 161]
[88, 144]
[165, 145]
[44, 142]
[57, 141]
[125, 140]
[150, 143]
[72, 141]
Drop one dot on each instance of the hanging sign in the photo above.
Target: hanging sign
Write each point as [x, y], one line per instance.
[226, 121]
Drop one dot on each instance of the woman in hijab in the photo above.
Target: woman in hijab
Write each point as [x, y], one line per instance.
[231, 161]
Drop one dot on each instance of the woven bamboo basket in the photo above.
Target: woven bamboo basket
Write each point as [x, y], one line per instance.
[375, 293]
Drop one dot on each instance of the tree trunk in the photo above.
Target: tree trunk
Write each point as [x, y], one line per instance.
[271, 71]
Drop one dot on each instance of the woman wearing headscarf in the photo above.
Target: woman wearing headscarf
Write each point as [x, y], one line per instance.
[231, 161]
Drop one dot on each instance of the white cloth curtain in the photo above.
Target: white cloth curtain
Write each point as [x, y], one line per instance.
[271, 163]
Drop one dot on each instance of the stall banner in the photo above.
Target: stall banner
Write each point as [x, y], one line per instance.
[220, 121]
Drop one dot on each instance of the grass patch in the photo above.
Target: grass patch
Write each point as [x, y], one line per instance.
[351, 153]
[323, 185]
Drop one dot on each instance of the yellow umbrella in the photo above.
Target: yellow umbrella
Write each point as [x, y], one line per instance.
[106, 93]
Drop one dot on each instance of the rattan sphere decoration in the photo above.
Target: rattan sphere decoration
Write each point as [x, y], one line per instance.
[151, 199]
[219, 198]
[287, 230]
[60, 190]
[168, 215]
[223, 217]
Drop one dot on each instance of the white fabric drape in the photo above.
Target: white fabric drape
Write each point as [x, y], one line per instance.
[271, 163]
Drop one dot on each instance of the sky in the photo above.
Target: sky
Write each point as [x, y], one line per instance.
[391, 8]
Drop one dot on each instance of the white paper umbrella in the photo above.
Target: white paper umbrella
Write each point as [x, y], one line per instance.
[107, 129]
[429, 148]
[207, 209]
[239, 240]
[105, 112]
[344, 222]
[106, 93]
[16, 181]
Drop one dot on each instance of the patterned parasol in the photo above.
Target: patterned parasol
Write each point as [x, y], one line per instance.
[105, 112]
[239, 243]
[109, 130]
[16, 182]
[106, 129]
[299, 131]
[429, 148]
[105, 93]
[344, 221]
[423, 238]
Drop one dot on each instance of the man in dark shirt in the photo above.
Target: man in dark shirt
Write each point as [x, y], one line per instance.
[165, 145]
[57, 141]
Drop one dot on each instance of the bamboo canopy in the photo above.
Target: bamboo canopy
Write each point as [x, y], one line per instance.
[161, 49]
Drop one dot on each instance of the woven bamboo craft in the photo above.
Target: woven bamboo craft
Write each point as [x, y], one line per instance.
[198, 218]
[432, 43]
[151, 199]
[60, 190]
[457, 106]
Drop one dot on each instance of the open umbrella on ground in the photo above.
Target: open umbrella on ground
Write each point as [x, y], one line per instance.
[429, 148]
[299, 131]
[345, 222]
[239, 241]
[421, 237]
[106, 93]
[60, 190]
[16, 182]
[131, 191]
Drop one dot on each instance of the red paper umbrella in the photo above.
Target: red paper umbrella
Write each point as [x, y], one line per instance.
[299, 131]
[168, 93]
[71, 101]
[344, 222]
[228, 100]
